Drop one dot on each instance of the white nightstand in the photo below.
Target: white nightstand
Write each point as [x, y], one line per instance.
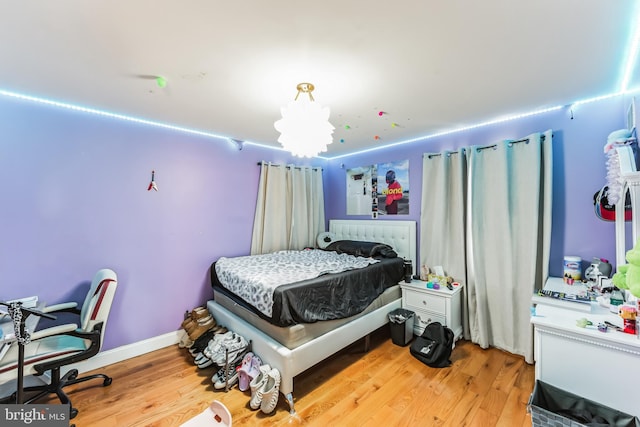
[433, 305]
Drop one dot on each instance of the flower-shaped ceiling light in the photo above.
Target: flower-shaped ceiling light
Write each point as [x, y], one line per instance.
[304, 129]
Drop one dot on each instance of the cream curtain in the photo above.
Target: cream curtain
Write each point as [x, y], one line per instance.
[505, 240]
[289, 210]
[442, 218]
[508, 239]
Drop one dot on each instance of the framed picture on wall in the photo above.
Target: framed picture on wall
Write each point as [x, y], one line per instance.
[393, 187]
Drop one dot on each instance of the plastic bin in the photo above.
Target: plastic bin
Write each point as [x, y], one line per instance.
[401, 323]
[551, 406]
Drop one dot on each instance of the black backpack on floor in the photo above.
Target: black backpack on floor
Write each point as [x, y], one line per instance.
[434, 346]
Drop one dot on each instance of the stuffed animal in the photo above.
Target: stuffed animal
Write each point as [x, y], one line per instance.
[628, 275]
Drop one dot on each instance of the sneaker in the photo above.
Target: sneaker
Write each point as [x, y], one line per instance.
[193, 323]
[204, 363]
[200, 358]
[230, 350]
[220, 343]
[214, 344]
[198, 345]
[184, 339]
[248, 370]
[256, 385]
[193, 326]
[271, 391]
[218, 375]
[196, 332]
[228, 377]
[196, 313]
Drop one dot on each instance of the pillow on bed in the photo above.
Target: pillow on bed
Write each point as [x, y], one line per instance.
[364, 249]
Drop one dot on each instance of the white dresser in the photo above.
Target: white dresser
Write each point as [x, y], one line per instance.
[433, 305]
[600, 366]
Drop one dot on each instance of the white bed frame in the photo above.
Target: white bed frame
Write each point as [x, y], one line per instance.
[401, 235]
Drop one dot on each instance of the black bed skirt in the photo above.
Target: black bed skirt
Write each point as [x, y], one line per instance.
[328, 297]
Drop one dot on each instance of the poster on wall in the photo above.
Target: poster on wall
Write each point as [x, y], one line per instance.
[359, 190]
[381, 189]
[392, 182]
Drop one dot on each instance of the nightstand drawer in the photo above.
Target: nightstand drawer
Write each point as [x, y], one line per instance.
[421, 319]
[415, 300]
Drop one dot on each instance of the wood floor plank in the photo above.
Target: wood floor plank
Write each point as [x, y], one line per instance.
[494, 401]
[508, 373]
[385, 386]
[511, 415]
[482, 418]
[464, 410]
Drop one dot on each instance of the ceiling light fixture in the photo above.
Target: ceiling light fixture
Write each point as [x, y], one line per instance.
[304, 129]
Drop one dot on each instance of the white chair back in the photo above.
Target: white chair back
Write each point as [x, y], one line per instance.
[97, 303]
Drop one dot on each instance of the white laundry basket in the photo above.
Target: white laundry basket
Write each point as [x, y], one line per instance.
[215, 415]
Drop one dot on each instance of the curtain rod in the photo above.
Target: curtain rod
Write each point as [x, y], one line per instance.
[289, 167]
[449, 153]
[515, 141]
[485, 147]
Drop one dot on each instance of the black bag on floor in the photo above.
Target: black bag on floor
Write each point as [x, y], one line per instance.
[434, 346]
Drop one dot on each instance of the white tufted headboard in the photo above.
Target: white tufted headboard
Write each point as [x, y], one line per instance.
[400, 235]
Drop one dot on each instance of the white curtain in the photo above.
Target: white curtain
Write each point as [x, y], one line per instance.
[507, 233]
[442, 218]
[289, 209]
[508, 239]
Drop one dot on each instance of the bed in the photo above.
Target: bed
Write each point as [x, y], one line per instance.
[293, 347]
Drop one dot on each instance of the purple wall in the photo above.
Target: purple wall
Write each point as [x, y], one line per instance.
[74, 200]
[73, 189]
[579, 171]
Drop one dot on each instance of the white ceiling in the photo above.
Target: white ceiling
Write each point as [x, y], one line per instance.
[428, 65]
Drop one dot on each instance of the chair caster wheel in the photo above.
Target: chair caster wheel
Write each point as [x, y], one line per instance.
[73, 413]
[107, 381]
[72, 375]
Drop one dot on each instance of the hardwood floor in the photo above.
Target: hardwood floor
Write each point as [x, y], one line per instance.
[385, 386]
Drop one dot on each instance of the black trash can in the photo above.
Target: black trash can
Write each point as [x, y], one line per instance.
[552, 406]
[401, 322]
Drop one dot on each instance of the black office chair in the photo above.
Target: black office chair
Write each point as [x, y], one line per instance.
[51, 349]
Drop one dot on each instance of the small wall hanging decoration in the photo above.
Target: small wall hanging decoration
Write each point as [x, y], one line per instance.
[152, 184]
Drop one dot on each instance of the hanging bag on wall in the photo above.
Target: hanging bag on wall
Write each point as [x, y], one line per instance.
[606, 211]
[434, 346]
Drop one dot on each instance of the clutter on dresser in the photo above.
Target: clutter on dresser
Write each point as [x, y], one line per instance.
[591, 300]
[557, 292]
[598, 267]
[435, 279]
[572, 270]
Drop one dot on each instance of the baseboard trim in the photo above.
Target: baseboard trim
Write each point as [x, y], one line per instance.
[125, 352]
